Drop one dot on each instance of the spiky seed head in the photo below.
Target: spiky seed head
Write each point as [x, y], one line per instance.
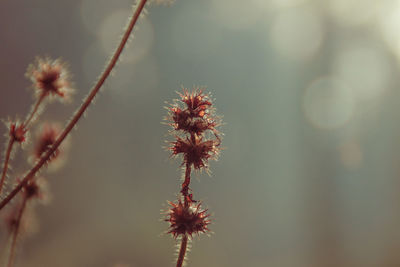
[10, 217]
[17, 131]
[192, 117]
[50, 78]
[195, 151]
[196, 114]
[187, 219]
[28, 223]
[37, 189]
[47, 136]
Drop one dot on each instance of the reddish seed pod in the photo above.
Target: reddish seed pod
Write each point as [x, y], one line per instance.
[46, 137]
[17, 132]
[187, 219]
[195, 101]
[196, 115]
[195, 152]
[50, 78]
[197, 140]
[192, 119]
[9, 218]
[37, 189]
[32, 190]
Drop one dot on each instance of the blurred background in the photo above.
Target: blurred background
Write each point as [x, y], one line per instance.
[309, 92]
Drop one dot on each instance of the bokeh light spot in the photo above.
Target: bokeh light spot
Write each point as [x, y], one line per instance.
[389, 24]
[93, 12]
[328, 103]
[194, 36]
[365, 68]
[238, 15]
[353, 12]
[297, 33]
[110, 32]
[286, 3]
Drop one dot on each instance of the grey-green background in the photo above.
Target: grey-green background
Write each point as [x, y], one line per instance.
[310, 95]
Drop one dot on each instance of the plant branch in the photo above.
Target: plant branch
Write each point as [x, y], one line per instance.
[16, 231]
[187, 200]
[34, 110]
[83, 107]
[12, 141]
[6, 160]
[185, 184]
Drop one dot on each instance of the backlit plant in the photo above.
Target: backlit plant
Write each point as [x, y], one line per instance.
[193, 121]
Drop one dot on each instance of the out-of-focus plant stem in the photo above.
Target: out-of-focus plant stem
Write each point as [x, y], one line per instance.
[81, 109]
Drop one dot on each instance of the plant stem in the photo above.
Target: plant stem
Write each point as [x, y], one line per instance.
[16, 231]
[82, 108]
[6, 160]
[34, 110]
[187, 200]
[12, 141]
[182, 251]
[185, 184]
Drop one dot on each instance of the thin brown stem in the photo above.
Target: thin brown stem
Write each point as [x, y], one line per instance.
[15, 233]
[182, 251]
[82, 108]
[6, 160]
[187, 200]
[186, 183]
[12, 141]
[34, 110]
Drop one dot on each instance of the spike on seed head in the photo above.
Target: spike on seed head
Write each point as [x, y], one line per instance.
[49, 78]
[187, 219]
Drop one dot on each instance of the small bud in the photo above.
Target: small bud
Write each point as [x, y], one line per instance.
[17, 132]
[9, 218]
[47, 136]
[37, 189]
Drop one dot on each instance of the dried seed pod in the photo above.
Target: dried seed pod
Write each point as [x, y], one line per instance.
[187, 219]
[50, 78]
